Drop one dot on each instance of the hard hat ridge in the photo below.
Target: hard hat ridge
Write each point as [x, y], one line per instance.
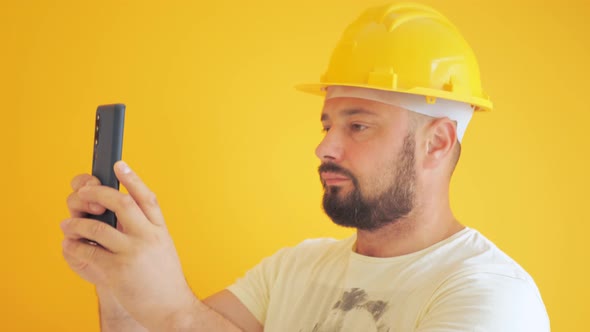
[408, 48]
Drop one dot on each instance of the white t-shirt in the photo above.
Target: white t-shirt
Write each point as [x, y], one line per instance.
[464, 283]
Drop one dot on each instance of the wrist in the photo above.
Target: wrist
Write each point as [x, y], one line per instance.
[109, 306]
[187, 315]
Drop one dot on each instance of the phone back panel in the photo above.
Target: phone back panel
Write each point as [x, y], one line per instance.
[108, 146]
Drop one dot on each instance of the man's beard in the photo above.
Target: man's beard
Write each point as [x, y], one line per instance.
[354, 210]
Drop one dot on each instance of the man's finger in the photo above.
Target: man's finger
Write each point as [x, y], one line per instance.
[94, 230]
[129, 215]
[86, 254]
[141, 194]
[82, 180]
[79, 208]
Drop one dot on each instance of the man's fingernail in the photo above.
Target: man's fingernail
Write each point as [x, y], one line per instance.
[124, 168]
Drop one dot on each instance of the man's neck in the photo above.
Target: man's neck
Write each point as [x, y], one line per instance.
[405, 236]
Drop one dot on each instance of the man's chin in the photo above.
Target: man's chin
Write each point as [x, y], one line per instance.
[340, 191]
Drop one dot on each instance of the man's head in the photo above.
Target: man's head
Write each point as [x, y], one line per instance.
[378, 160]
[400, 88]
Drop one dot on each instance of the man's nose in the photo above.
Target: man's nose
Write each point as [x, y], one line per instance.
[331, 147]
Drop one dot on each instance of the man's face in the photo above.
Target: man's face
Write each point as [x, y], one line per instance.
[367, 166]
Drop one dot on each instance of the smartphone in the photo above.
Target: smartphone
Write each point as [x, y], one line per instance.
[108, 148]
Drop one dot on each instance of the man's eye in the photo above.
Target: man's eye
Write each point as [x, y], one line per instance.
[325, 129]
[358, 127]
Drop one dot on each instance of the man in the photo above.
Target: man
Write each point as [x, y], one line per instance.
[399, 92]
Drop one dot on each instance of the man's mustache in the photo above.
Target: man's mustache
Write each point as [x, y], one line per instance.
[333, 168]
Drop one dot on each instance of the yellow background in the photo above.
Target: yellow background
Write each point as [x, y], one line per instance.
[216, 130]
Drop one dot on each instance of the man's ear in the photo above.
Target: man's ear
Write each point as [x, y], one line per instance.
[440, 139]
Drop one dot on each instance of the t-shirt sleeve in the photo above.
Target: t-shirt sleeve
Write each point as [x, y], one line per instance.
[255, 287]
[486, 302]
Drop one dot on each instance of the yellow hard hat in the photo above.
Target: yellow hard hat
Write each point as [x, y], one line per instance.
[408, 48]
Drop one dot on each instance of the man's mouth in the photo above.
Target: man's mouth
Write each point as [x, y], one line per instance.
[332, 179]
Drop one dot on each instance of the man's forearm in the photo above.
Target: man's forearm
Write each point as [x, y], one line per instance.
[113, 317]
[198, 317]
[120, 324]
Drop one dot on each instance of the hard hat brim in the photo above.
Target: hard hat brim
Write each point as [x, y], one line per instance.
[479, 104]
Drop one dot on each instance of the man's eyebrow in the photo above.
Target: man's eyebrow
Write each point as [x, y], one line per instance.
[350, 112]
[355, 111]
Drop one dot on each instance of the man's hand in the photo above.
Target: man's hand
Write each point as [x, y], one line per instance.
[137, 261]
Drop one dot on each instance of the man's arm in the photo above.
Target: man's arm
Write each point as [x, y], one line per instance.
[135, 267]
[114, 318]
[229, 306]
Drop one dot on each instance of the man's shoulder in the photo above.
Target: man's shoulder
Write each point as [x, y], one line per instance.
[473, 273]
[475, 253]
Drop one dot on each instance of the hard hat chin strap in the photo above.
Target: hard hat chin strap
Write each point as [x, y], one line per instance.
[440, 108]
